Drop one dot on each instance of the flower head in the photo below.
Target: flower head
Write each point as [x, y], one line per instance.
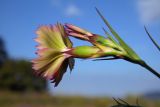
[52, 63]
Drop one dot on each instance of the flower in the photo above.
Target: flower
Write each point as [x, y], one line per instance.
[55, 52]
[52, 62]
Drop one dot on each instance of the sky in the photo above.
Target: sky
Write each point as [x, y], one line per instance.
[20, 19]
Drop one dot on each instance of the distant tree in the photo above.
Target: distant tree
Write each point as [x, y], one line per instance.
[17, 75]
[3, 53]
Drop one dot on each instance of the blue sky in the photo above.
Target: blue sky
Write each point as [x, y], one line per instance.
[20, 19]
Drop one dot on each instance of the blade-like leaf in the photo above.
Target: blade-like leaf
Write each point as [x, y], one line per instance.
[117, 101]
[112, 39]
[123, 101]
[154, 42]
[121, 42]
[109, 36]
[113, 58]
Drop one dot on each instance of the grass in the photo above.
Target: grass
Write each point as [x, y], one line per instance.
[30, 99]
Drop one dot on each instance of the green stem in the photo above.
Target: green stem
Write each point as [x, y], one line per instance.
[145, 65]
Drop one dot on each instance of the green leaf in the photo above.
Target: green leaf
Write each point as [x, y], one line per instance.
[154, 42]
[112, 58]
[121, 42]
[109, 36]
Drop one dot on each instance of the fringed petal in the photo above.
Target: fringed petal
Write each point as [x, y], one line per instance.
[52, 62]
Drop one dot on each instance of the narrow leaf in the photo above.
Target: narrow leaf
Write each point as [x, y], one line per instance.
[109, 36]
[123, 101]
[106, 59]
[154, 42]
[121, 42]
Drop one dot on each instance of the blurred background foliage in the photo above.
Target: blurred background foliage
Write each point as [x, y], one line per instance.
[3, 53]
[17, 75]
[10, 99]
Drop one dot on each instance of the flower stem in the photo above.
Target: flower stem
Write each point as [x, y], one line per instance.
[145, 65]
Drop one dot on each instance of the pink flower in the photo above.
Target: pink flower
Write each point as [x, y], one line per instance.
[52, 61]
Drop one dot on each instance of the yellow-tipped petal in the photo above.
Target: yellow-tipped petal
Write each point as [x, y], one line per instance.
[53, 42]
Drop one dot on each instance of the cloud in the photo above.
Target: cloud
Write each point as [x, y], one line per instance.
[69, 9]
[72, 10]
[149, 10]
[57, 3]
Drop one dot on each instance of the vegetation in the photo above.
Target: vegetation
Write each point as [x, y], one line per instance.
[17, 75]
[9, 99]
[3, 53]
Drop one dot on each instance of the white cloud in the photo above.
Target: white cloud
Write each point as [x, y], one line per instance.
[149, 10]
[72, 10]
[57, 3]
[69, 9]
